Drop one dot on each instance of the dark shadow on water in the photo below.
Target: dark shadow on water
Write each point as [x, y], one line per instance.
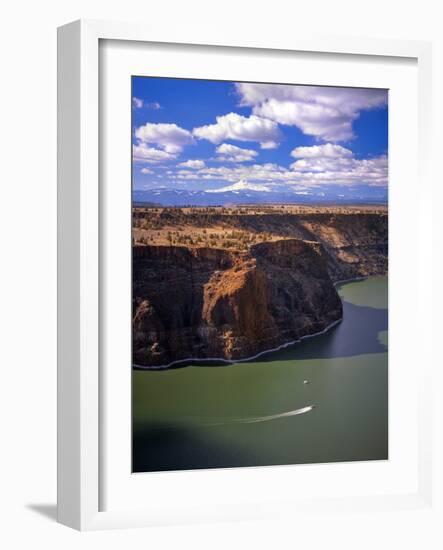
[159, 446]
[357, 334]
[48, 511]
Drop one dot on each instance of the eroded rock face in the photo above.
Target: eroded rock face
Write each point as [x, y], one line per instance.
[356, 245]
[213, 303]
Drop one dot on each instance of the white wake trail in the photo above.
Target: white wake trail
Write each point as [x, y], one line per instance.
[256, 419]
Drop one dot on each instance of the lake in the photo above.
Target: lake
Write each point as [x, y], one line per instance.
[324, 399]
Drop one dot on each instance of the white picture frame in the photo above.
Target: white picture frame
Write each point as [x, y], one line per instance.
[80, 369]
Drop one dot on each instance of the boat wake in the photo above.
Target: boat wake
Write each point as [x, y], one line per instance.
[257, 419]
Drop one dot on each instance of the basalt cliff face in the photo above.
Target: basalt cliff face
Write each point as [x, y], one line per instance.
[209, 302]
[213, 303]
[355, 245]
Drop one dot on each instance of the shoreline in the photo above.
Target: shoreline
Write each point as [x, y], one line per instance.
[172, 364]
[233, 361]
[341, 281]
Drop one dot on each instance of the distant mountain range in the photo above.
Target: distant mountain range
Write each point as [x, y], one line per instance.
[241, 193]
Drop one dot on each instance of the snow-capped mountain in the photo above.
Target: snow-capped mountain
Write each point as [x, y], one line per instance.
[247, 193]
[241, 185]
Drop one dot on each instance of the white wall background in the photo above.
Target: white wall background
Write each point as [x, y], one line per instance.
[28, 267]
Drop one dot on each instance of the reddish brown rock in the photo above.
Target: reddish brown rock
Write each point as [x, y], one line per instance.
[205, 302]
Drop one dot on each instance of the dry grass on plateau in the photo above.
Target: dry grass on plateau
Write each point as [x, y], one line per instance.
[234, 228]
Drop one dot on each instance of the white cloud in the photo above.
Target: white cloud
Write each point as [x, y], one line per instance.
[319, 165]
[146, 171]
[138, 103]
[324, 112]
[143, 153]
[169, 137]
[328, 150]
[194, 164]
[256, 173]
[231, 153]
[334, 164]
[269, 145]
[236, 127]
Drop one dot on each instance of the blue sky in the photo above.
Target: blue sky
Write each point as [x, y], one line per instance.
[214, 135]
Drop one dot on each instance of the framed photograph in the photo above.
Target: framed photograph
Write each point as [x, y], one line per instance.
[239, 229]
[269, 260]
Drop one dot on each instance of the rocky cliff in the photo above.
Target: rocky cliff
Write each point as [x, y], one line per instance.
[207, 303]
[356, 244]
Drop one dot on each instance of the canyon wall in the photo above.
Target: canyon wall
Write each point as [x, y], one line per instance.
[203, 303]
[356, 245]
[199, 302]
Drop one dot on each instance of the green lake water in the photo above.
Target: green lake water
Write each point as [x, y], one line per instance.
[324, 399]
